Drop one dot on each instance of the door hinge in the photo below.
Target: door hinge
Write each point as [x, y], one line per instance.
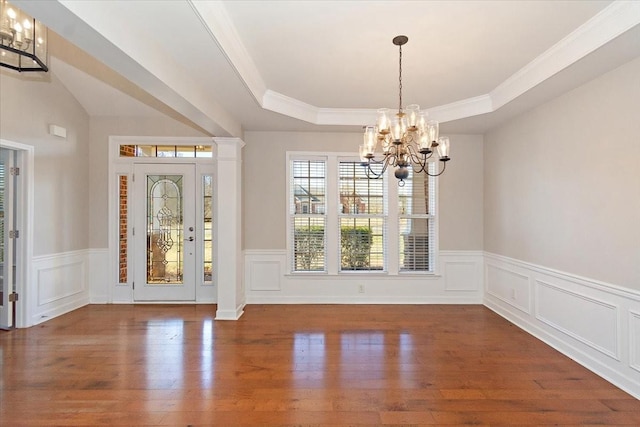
[133, 177]
[14, 171]
[133, 285]
[133, 231]
[13, 297]
[14, 234]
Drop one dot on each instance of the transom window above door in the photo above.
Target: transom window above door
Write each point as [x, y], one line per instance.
[184, 151]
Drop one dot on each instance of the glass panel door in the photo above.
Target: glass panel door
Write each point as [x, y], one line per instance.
[165, 234]
[7, 243]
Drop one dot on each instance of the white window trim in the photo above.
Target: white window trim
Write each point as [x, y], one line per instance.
[332, 247]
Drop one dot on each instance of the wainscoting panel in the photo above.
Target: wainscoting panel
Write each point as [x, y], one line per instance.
[60, 285]
[509, 286]
[591, 321]
[634, 340]
[264, 275]
[268, 282]
[596, 324]
[461, 275]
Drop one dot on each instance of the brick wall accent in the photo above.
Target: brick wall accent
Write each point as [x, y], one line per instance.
[123, 209]
[127, 151]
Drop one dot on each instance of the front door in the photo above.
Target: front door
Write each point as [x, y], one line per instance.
[164, 239]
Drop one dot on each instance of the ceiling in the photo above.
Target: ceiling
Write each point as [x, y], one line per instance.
[232, 66]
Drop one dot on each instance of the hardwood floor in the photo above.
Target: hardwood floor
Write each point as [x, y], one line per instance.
[296, 365]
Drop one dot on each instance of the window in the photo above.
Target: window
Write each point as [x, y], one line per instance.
[340, 221]
[189, 151]
[307, 214]
[362, 219]
[207, 216]
[416, 221]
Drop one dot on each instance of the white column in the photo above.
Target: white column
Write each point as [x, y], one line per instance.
[228, 222]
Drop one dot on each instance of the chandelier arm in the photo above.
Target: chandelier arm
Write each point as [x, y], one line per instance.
[422, 167]
[444, 166]
[418, 159]
[370, 173]
[373, 161]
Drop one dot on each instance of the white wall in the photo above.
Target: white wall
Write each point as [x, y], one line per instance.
[562, 182]
[28, 105]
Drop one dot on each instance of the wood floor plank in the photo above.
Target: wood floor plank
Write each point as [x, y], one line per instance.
[295, 365]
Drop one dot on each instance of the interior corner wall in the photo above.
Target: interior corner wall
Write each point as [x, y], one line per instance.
[28, 105]
[101, 128]
[264, 181]
[562, 182]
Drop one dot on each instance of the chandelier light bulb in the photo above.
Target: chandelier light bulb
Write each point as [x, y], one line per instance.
[412, 111]
[370, 140]
[424, 142]
[383, 121]
[398, 128]
[11, 13]
[433, 130]
[443, 148]
[423, 118]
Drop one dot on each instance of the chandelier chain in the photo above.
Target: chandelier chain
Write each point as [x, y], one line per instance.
[400, 80]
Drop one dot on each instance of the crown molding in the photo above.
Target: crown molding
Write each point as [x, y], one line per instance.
[617, 18]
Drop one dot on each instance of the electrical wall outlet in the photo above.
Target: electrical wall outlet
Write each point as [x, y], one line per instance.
[361, 289]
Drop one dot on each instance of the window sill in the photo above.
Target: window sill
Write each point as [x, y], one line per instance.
[364, 274]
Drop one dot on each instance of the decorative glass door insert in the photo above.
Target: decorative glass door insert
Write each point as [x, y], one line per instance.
[165, 251]
[165, 224]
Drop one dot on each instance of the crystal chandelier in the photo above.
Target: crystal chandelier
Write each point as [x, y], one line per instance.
[407, 140]
[23, 40]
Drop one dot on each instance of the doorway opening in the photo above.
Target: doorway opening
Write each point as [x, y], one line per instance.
[16, 222]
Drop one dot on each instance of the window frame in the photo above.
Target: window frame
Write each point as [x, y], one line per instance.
[291, 214]
[384, 217]
[391, 247]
